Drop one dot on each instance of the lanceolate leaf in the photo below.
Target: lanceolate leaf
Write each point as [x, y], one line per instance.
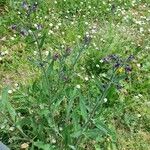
[7, 105]
[83, 108]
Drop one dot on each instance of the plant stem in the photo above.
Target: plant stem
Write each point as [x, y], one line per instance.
[98, 103]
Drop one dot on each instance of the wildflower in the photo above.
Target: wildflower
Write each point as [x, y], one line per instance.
[38, 26]
[79, 36]
[86, 23]
[11, 129]
[138, 115]
[117, 65]
[10, 91]
[131, 57]
[105, 100]
[120, 70]
[139, 65]
[25, 5]
[78, 86]
[47, 53]
[97, 65]
[35, 52]
[140, 95]
[2, 53]
[50, 32]
[128, 69]
[53, 141]
[60, 128]
[12, 38]
[55, 2]
[24, 146]
[136, 96]
[86, 78]
[68, 50]
[56, 56]
[13, 27]
[50, 24]
[86, 39]
[59, 24]
[34, 6]
[23, 32]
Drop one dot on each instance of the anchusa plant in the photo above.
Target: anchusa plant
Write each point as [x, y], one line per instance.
[55, 112]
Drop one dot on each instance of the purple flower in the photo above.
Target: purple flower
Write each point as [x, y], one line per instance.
[117, 65]
[130, 58]
[24, 32]
[25, 5]
[34, 6]
[113, 57]
[56, 56]
[128, 69]
[68, 51]
[87, 39]
[13, 27]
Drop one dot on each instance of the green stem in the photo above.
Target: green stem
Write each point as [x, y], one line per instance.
[97, 105]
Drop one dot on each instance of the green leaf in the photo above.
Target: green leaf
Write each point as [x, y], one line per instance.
[102, 127]
[42, 40]
[7, 105]
[72, 147]
[42, 145]
[83, 108]
[72, 95]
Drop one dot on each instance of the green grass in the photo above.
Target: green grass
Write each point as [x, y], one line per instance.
[59, 87]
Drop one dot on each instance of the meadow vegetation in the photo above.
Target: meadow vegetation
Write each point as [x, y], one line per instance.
[75, 74]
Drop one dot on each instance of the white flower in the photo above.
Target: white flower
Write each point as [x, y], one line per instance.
[0, 58]
[50, 24]
[92, 77]
[97, 65]
[101, 61]
[46, 53]
[138, 115]
[30, 31]
[86, 23]
[140, 95]
[136, 97]
[79, 36]
[86, 78]
[105, 100]
[12, 38]
[46, 17]
[10, 91]
[6, 52]
[50, 32]
[24, 146]
[139, 65]
[2, 53]
[60, 128]
[35, 52]
[39, 34]
[11, 129]
[89, 7]
[59, 24]
[53, 141]
[78, 86]
[16, 85]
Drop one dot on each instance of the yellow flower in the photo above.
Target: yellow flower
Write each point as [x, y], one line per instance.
[120, 70]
